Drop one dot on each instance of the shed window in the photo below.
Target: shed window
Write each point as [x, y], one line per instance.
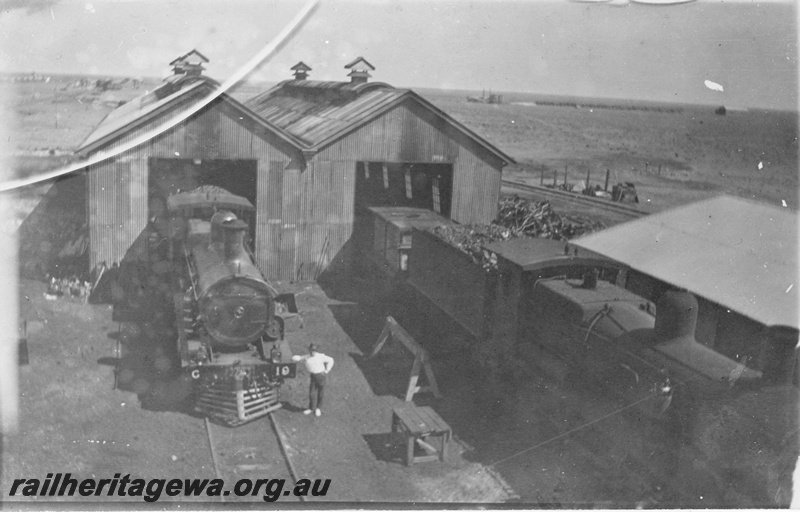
[385, 176]
[409, 194]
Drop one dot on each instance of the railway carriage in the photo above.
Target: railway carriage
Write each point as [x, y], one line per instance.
[230, 337]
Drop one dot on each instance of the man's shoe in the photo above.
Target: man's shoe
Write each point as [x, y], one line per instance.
[318, 412]
[308, 411]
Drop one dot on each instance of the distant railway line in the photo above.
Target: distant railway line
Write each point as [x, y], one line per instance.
[626, 212]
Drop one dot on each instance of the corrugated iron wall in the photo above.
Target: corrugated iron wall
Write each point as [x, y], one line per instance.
[117, 210]
[320, 207]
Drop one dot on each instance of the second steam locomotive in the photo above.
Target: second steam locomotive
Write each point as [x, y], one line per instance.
[230, 337]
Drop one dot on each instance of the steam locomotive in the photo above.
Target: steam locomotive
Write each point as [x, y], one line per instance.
[230, 333]
[578, 315]
[578, 305]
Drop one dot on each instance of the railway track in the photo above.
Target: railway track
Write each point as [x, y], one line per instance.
[253, 451]
[626, 211]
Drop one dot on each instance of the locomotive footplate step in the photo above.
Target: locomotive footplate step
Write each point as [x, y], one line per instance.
[418, 424]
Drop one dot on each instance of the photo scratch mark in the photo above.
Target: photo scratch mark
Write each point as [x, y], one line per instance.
[713, 86]
[259, 58]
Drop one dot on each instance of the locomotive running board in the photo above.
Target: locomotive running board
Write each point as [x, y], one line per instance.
[235, 406]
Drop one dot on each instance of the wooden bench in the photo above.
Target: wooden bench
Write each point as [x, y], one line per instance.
[419, 424]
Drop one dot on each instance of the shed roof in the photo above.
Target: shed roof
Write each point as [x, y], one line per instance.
[318, 112]
[737, 253]
[177, 94]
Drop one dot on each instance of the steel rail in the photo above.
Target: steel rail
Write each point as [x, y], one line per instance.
[214, 459]
[282, 444]
[572, 197]
[276, 429]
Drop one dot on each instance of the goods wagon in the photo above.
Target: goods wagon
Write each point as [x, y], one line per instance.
[385, 236]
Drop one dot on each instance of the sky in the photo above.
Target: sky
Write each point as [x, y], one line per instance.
[605, 50]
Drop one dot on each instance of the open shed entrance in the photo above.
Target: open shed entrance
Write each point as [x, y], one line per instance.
[391, 200]
[173, 175]
[418, 185]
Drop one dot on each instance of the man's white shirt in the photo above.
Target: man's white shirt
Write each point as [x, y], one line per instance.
[318, 363]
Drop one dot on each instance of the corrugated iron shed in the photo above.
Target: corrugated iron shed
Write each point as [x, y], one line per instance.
[318, 113]
[304, 141]
[737, 253]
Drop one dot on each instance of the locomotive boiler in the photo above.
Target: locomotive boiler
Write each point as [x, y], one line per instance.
[230, 339]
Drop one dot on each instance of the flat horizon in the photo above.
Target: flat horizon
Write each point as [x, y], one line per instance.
[599, 50]
[472, 92]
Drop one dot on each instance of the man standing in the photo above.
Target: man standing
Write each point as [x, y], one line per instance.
[318, 366]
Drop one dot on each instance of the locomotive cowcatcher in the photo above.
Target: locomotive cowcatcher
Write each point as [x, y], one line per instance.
[230, 330]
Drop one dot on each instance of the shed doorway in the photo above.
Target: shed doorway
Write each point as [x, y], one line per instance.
[418, 185]
[172, 175]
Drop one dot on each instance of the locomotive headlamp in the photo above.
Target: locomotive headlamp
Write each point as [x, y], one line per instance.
[275, 354]
[238, 312]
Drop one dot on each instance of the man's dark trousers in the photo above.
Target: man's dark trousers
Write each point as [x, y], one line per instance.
[316, 391]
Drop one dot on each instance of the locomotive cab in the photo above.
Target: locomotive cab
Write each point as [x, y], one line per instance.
[582, 320]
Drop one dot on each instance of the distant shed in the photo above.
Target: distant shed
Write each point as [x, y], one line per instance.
[306, 153]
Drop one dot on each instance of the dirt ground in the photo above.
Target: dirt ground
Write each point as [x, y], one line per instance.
[75, 420]
[673, 158]
[101, 396]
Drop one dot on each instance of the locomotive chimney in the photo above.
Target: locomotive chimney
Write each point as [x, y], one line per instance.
[590, 279]
[218, 221]
[234, 240]
[676, 316]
